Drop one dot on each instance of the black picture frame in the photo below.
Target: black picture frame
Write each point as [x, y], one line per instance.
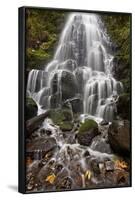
[22, 93]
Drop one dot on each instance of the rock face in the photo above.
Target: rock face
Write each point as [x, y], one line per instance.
[64, 84]
[76, 104]
[123, 106]
[31, 108]
[119, 136]
[87, 131]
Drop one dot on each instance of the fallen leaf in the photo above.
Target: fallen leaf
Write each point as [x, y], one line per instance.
[51, 178]
[87, 175]
[120, 164]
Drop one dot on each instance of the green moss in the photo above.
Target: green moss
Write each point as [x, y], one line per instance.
[36, 58]
[87, 125]
[30, 101]
[63, 118]
[58, 116]
[66, 126]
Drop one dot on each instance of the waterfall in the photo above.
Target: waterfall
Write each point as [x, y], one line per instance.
[81, 68]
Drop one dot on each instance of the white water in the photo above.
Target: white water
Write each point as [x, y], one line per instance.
[83, 55]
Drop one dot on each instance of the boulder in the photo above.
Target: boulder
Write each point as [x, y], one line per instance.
[87, 131]
[64, 84]
[76, 104]
[101, 144]
[31, 108]
[62, 118]
[119, 136]
[41, 144]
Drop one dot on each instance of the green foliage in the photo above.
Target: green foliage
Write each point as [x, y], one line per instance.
[43, 28]
[87, 125]
[118, 28]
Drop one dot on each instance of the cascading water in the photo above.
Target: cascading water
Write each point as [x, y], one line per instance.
[80, 70]
[83, 60]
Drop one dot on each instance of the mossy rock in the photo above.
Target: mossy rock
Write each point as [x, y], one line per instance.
[66, 126]
[62, 118]
[31, 108]
[87, 131]
[87, 125]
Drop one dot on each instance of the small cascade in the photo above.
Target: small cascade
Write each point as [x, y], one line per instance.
[82, 67]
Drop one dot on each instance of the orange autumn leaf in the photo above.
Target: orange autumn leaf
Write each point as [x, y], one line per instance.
[119, 164]
[51, 178]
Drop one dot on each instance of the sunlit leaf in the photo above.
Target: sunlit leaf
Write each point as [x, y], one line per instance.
[51, 178]
[120, 164]
[87, 175]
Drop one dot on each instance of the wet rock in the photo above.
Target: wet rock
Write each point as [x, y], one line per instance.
[87, 131]
[62, 118]
[119, 136]
[95, 166]
[76, 104]
[60, 176]
[42, 144]
[31, 108]
[101, 144]
[117, 178]
[30, 186]
[109, 165]
[69, 64]
[66, 126]
[122, 177]
[48, 132]
[68, 85]
[102, 167]
[43, 173]
[86, 154]
[104, 123]
[58, 168]
[55, 101]
[44, 132]
[66, 183]
[33, 168]
[35, 122]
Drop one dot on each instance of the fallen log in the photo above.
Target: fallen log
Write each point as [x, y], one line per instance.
[35, 122]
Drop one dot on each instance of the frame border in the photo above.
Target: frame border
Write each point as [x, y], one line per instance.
[22, 95]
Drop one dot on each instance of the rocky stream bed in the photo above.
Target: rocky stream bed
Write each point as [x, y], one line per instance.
[78, 156]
